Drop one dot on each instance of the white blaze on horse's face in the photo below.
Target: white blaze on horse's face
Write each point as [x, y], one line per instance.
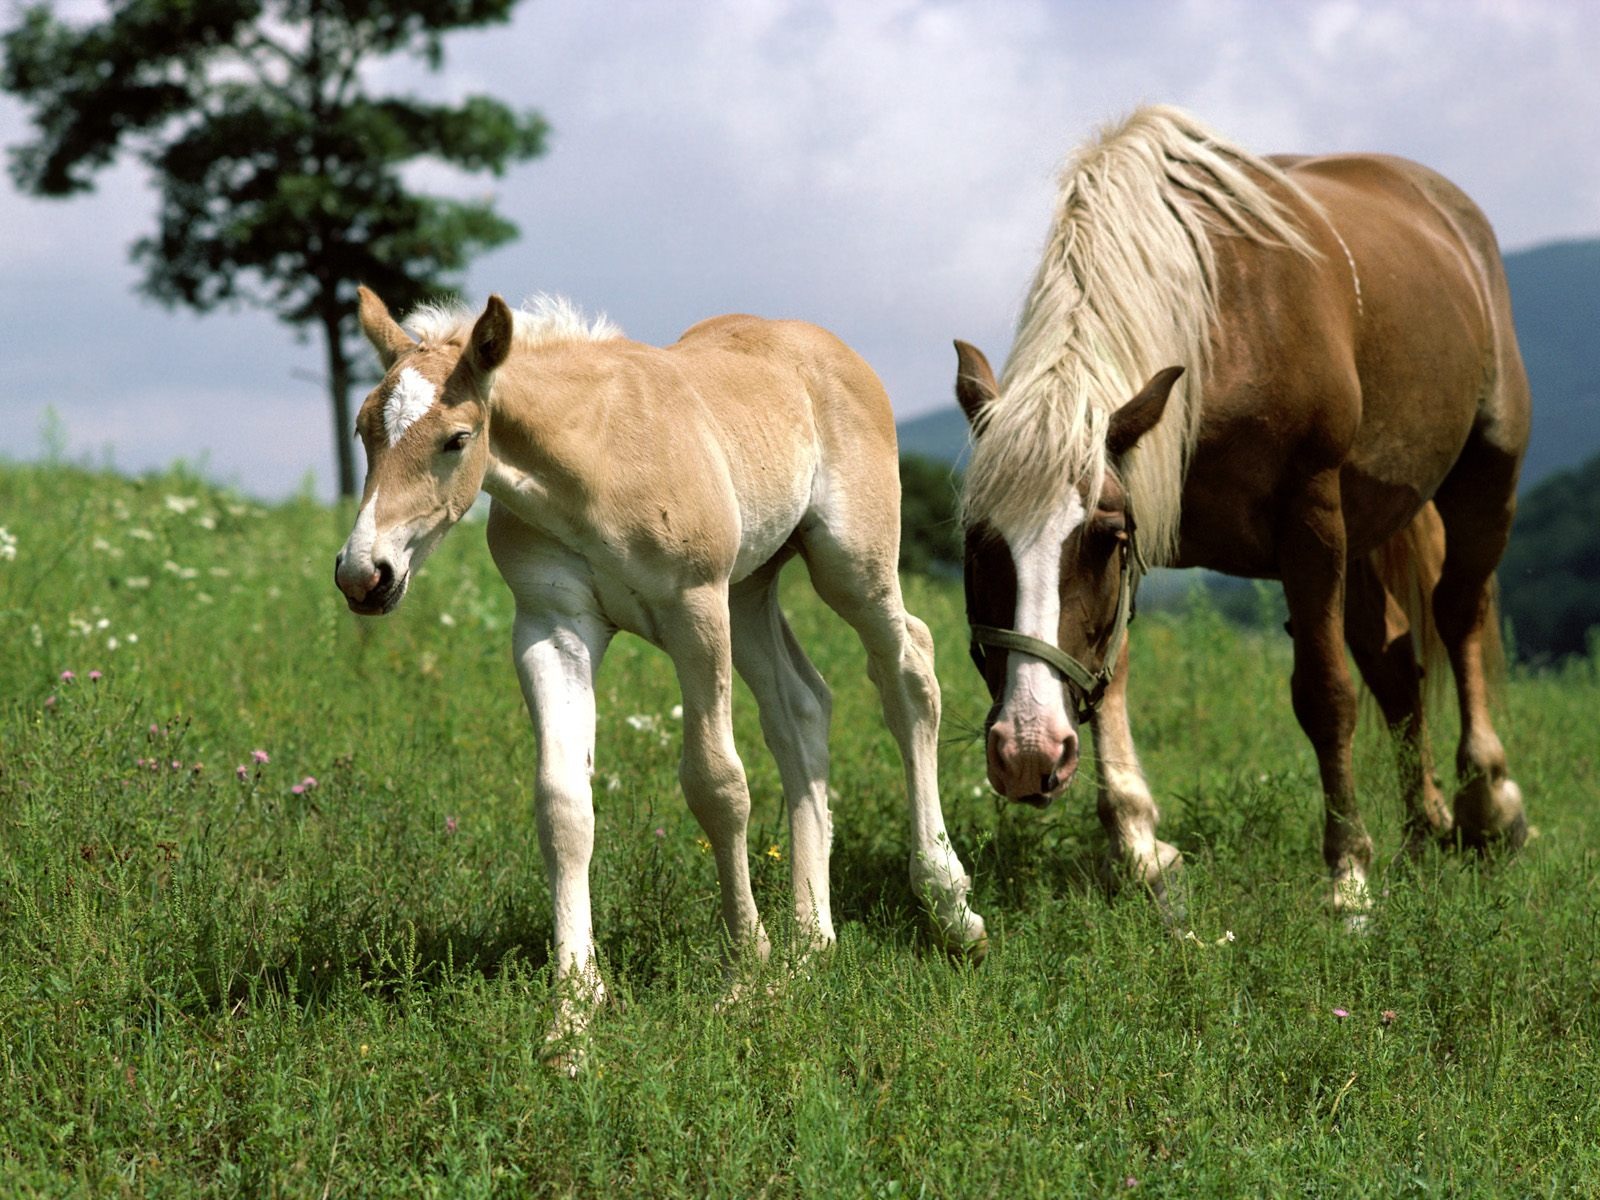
[1033, 742]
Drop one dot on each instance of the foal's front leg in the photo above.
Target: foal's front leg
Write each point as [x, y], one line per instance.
[698, 639]
[557, 657]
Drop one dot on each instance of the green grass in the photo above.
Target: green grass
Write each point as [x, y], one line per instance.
[214, 986]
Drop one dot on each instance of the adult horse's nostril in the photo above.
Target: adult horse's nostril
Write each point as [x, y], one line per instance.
[385, 580]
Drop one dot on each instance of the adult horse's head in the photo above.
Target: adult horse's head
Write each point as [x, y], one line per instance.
[426, 433]
[1050, 591]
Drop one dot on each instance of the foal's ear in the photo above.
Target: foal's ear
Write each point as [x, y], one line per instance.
[1139, 416]
[385, 334]
[490, 344]
[975, 385]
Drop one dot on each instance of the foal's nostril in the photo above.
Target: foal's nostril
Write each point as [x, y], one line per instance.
[385, 579]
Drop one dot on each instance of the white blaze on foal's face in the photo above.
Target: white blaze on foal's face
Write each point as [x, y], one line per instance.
[425, 429]
[409, 398]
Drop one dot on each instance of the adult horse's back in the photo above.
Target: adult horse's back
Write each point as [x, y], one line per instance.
[1300, 368]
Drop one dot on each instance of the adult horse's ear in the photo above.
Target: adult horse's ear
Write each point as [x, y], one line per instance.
[385, 334]
[491, 336]
[975, 385]
[1139, 416]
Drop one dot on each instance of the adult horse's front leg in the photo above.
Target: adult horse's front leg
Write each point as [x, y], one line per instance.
[1127, 809]
[1312, 563]
[698, 640]
[557, 657]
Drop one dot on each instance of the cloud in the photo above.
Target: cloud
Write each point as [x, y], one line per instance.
[884, 168]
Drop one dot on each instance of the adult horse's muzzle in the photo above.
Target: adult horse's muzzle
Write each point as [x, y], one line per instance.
[1032, 768]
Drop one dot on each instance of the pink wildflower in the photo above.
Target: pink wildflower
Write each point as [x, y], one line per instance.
[298, 790]
[139, 762]
[49, 701]
[660, 832]
[155, 730]
[1130, 1182]
[94, 676]
[68, 676]
[242, 771]
[1389, 1016]
[309, 782]
[451, 824]
[176, 765]
[1341, 1013]
[261, 756]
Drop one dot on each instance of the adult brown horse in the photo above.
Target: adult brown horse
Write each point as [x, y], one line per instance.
[1295, 368]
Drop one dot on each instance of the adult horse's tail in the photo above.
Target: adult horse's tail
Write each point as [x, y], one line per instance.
[1409, 564]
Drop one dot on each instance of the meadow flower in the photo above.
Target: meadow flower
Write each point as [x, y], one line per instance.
[176, 765]
[261, 756]
[143, 535]
[308, 782]
[68, 676]
[242, 771]
[451, 825]
[643, 722]
[182, 504]
[774, 853]
[446, 619]
[1341, 1013]
[8, 544]
[1389, 1016]
[136, 582]
[705, 846]
[95, 677]
[297, 790]
[49, 701]
[660, 832]
[677, 712]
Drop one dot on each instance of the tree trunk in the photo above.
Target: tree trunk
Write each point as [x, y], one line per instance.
[339, 393]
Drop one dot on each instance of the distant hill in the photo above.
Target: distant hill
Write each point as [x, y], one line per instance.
[1555, 294]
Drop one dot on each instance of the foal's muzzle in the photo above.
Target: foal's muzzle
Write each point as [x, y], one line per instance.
[378, 593]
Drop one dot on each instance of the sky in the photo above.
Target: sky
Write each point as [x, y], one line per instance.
[883, 168]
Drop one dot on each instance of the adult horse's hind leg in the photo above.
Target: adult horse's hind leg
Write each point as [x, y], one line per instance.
[1476, 502]
[795, 707]
[860, 583]
[1380, 638]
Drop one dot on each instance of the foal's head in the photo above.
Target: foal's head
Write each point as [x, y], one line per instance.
[426, 433]
[1057, 578]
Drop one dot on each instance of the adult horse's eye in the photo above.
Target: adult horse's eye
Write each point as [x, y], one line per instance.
[456, 442]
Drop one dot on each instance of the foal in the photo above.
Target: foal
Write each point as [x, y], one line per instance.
[660, 491]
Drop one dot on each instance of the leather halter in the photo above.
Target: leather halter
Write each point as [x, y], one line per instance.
[1089, 687]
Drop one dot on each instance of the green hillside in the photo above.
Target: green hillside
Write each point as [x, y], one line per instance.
[273, 922]
[1555, 293]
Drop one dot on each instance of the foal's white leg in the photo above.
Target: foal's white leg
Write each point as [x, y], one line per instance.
[1127, 809]
[864, 588]
[795, 707]
[557, 657]
[698, 640]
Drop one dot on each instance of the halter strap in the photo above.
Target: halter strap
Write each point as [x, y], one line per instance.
[1090, 685]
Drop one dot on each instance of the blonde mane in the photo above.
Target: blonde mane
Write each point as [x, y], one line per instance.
[1126, 287]
[541, 321]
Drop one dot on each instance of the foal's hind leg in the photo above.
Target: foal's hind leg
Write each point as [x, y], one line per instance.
[1312, 565]
[1380, 639]
[862, 586]
[1476, 503]
[795, 707]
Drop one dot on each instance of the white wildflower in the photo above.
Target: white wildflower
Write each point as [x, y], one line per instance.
[112, 643]
[206, 522]
[136, 582]
[218, 572]
[182, 504]
[132, 638]
[446, 619]
[8, 544]
[144, 535]
[644, 722]
[677, 712]
[180, 572]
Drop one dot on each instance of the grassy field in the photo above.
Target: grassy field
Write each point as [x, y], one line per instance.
[273, 922]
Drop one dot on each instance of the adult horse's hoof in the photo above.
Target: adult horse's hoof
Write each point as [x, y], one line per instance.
[1490, 817]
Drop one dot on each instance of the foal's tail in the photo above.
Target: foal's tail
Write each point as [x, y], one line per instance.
[1409, 564]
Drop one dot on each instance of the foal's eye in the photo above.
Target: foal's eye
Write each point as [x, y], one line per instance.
[456, 442]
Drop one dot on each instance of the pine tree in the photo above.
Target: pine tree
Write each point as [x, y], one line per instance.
[280, 174]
